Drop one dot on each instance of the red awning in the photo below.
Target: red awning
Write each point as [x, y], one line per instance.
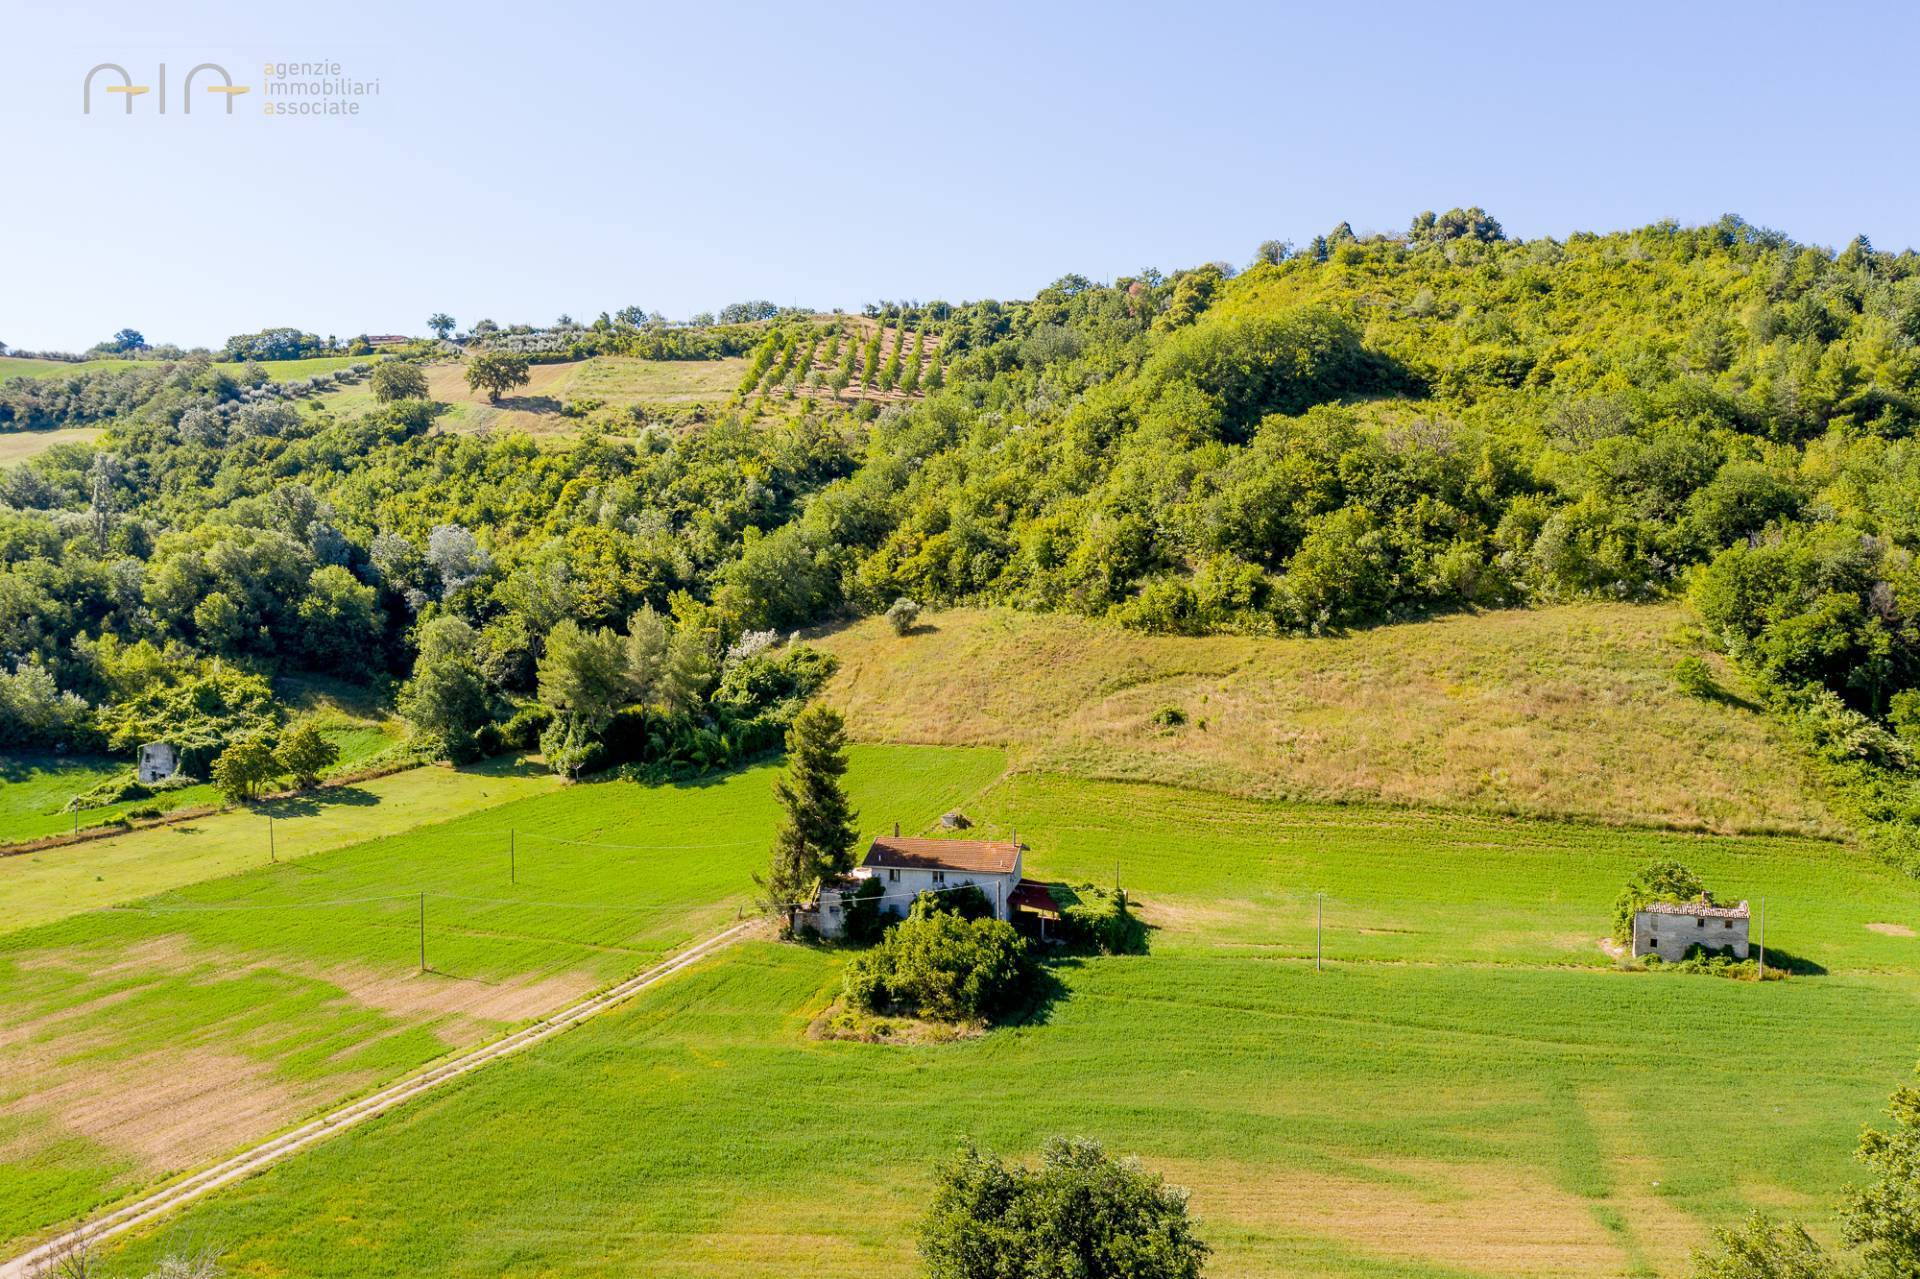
[1032, 894]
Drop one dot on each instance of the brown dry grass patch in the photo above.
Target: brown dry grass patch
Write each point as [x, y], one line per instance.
[1562, 712]
[170, 1109]
[433, 994]
[1476, 1218]
[1891, 930]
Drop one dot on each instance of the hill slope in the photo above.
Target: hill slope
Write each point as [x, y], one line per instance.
[1565, 712]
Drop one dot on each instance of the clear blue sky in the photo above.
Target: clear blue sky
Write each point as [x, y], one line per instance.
[527, 159]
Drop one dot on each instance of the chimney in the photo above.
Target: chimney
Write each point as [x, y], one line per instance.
[896, 830]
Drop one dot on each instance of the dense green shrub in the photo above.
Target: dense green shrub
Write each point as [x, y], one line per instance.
[866, 914]
[945, 967]
[1080, 1213]
[1098, 919]
[1661, 881]
[1694, 677]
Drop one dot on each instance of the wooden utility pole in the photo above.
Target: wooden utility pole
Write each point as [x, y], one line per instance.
[273, 854]
[1319, 926]
[513, 872]
[423, 932]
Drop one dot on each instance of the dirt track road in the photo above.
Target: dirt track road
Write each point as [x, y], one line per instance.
[267, 1153]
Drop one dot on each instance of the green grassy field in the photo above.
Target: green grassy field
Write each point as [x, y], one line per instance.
[141, 1040]
[290, 370]
[35, 788]
[279, 370]
[1469, 1088]
[53, 883]
[12, 366]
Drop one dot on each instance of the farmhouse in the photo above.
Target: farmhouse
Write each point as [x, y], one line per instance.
[1670, 929]
[909, 867]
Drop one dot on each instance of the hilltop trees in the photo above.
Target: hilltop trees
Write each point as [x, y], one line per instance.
[497, 371]
[442, 324]
[816, 836]
[1374, 429]
[398, 380]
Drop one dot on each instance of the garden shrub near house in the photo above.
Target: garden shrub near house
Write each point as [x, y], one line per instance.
[1097, 919]
[938, 965]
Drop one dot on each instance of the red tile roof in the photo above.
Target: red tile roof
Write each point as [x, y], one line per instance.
[986, 857]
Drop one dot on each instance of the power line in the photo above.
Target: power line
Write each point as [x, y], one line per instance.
[645, 848]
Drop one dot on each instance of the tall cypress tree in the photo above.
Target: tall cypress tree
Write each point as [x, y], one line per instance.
[816, 835]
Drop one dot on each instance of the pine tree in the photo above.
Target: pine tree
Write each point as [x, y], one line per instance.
[816, 835]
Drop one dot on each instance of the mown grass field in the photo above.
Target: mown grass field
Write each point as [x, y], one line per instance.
[1469, 1088]
[140, 1040]
[279, 370]
[35, 787]
[12, 366]
[56, 882]
[1557, 712]
[619, 381]
[18, 446]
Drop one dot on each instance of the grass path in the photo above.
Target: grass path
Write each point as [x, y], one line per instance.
[55, 883]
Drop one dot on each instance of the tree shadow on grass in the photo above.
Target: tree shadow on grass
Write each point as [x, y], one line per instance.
[527, 403]
[1048, 991]
[1794, 965]
[308, 803]
[1724, 696]
[502, 766]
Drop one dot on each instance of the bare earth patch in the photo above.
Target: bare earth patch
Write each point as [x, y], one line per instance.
[1891, 930]
[431, 993]
[170, 1109]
